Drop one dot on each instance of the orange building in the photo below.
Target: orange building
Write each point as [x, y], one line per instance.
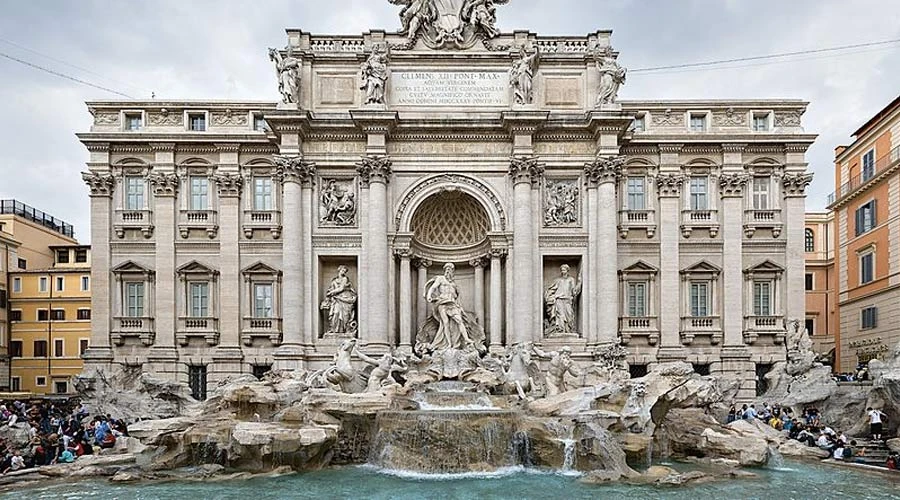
[866, 206]
[821, 280]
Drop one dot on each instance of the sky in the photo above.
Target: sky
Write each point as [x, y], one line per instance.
[203, 49]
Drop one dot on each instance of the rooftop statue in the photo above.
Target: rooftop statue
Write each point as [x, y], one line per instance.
[287, 69]
[447, 23]
[612, 76]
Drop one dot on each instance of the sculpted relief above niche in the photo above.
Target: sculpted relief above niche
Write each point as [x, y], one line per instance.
[337, 202]
[562, 199]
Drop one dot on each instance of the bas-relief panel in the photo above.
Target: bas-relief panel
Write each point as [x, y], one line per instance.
[562, 202]
[338, 202]
[450, 148]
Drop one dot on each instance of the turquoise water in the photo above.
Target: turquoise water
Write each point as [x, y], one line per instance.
[794, 482]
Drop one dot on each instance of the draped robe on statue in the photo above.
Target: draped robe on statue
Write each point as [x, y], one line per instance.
[449, 326]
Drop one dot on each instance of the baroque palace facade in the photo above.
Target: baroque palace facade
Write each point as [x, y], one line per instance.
[234, 237]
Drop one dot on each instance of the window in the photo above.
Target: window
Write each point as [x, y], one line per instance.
[40, 381]
[83, 346]
[639, 124]
[15, 315]
[81, 255]
[259, 123]
[635, 189]
[810, 326]
[16, 384]
[22, 264]
[197, 122]
[17, 285]
[15, 348]
[61, 387]
[865, 218]
[698, 122]
[868, 165]
[134, 299]
[199, 299]
[43, 315]
[62, 256]
[760, 122]
[60, 283]
[262, 193]
[40, 348]
[58, 315]
[699, 200]
[85, 283]
[59, 348]
[810, 240]
[42, 284]
[199, 193]
[134, 193]
[262, 300]
[762, 298]
[867, 267]
[761, 193]
[134, 121]
[699, 298]
[197, 382]
[810, 280]
[869, 317]
[84, 314]
[260, 371]
[637, 298]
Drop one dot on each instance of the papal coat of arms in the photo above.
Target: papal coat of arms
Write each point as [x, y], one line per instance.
[448, 23]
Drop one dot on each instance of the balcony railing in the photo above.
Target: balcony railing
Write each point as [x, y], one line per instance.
[754, 326]
[691, 326]
[205, 327]
[769, 219]
[133, 326]
[205, 220]
[885, 162]
[641, 326]
[265, 328]
[693, 219]
[141, 220]
[637, 219]
[267, 220]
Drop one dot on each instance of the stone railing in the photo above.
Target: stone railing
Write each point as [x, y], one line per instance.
[206, 327]
[204, 220]
[754, 326]
[564, 46]
[699, 219]
[265, 328]
[265, 220]
[691, 326]
[639, 326]
[757, 219]
[637, 219]
[140, 327]
[355, 45]
[140, 220]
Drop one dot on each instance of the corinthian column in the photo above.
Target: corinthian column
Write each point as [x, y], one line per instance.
[293, 172]
[524, 171]
[478, 264]
[605, 174]
[405, 322]
[421, 304]
[374, 174]
[496, 304]
[102, 185]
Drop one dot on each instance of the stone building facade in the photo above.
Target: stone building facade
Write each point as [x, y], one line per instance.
[821, 283]
[237, 236]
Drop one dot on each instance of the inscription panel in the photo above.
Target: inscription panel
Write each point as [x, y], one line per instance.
[449, 88]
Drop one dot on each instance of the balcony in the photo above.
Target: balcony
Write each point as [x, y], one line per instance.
[754, 326]
[692, 326]
[762, 219]
[886, 162]
[699, 219]
[140, 327]
[637, 219]
[265, 220]
[265, 328]
[203, 220]
[139, 220]
[206, 328]
[639, 326]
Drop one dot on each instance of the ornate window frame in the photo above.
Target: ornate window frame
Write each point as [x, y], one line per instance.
[190, 219]
[774, 323]
[647, 325]
[251, 326]
[261, 220]
[140, 219]
[706, 218]
[638, 219]
[125, 326]
[711, 324]
[189, 326]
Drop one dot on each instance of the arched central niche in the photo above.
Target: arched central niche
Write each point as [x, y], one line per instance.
[448, 220]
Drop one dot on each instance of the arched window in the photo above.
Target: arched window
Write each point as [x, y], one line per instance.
[810, 240]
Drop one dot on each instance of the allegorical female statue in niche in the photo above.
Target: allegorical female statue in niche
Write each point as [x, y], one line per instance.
[449, 326]
[559, 300]
[340, 302]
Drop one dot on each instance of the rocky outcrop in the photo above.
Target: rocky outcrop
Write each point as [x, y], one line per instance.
[691, 432]
[132, 395]
[796, 449]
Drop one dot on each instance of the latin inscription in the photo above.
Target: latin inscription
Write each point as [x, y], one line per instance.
[446, 88]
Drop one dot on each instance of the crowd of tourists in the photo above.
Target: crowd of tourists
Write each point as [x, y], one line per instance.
[59, 432]
[810, 428]
[860, 375]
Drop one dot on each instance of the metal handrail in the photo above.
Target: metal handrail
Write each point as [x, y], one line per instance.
[850, 186]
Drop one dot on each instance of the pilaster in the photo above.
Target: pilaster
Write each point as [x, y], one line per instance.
[524, 171]
[668, 187]
[229, 184]
[102, 186]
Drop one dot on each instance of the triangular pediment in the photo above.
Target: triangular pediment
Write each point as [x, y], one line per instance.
[640, 267]
[261, 268]
[194, 267]
[131, 266]
[766, 266]
[702, 267]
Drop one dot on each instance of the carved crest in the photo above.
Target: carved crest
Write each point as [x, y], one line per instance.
[455, 24]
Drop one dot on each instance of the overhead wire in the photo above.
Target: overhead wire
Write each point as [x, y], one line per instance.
[63, 75]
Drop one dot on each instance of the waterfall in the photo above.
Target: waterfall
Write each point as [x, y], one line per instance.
[568, 454]
[775, 460]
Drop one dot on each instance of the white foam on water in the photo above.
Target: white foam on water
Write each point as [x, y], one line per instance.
[456, 476]
[430, 407]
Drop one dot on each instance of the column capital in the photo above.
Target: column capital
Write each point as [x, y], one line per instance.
[403, 253]
[498, 253]
[732, 185]
[422, 262]
[669, 185]
[794, 185]
[603, 170]
[229, 185]
[477, 262]
[163, 184]
[525, 169]
[294, 169]
[101, 185]
[374, 168]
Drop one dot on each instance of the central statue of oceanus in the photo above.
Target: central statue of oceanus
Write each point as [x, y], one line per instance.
[449, 326]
